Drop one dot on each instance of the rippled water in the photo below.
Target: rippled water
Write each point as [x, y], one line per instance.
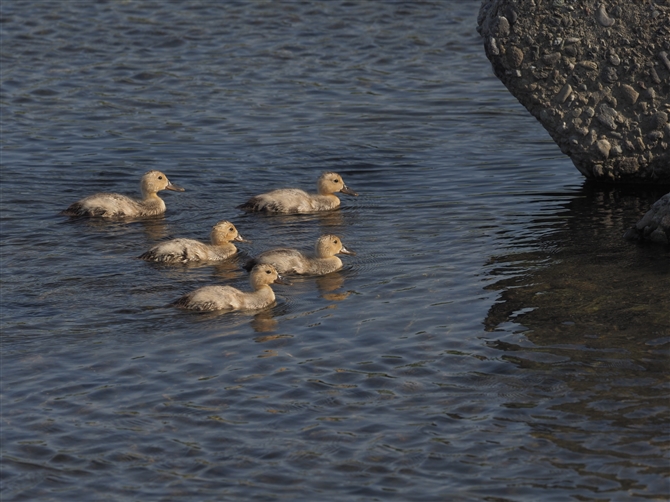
[494, 337]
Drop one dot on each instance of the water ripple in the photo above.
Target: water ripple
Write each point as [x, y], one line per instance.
[492, 335]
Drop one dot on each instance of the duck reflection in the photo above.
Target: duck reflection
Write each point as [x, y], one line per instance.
[330, 221]
[264, 322]
[155, 227]
[329, 284]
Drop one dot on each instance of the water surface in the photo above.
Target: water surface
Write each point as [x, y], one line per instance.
[493, 338]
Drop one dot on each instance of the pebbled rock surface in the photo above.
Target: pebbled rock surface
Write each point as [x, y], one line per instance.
[655, 225]
[595, 74]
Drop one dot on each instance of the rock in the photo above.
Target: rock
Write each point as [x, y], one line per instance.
[565, 93]
[659, 120]
[603, 18]
[608, 116]
[654, 225]
[594, 74]
[630, 94]
[515, 56]
[603, 147]
[503, 27]
[663, 56]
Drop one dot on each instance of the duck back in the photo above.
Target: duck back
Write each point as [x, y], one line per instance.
[210, 298]
[188, 250]
[114, 205]
[292, 261]
[285, 260]
[290, 200]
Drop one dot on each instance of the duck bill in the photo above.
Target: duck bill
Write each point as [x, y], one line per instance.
[346, 251]
[348, 191]
[239, 238]
[174, 188]
[282, 280]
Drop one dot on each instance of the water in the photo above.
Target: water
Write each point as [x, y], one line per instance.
[494, 338]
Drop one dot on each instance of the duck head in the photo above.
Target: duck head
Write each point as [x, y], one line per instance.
[330, 182]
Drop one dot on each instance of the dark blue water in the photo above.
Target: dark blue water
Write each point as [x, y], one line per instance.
[494, 338]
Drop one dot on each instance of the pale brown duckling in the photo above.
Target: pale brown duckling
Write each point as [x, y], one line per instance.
[294, 200]
[190, 250]
[292, 261]
[228, 298]
[114, 205]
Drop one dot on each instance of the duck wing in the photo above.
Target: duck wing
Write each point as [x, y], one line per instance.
[104, 205]
[285, 260]
[283, 200]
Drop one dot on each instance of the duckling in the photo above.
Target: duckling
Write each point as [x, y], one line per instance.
[190, 250]
[114, 205]
[292, 261]
[209, 298]
[294, 200]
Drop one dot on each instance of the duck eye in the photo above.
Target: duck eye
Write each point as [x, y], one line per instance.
[267, 272]
[231, 229]
[336, 181]
[160, 177]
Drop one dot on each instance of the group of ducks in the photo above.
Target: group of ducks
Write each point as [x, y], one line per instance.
[265, 269]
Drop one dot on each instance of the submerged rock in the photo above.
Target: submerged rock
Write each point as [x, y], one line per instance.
[654, 225]
[595, 74]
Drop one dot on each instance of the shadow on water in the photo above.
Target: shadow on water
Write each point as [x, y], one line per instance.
[587, 282]
[591, 310]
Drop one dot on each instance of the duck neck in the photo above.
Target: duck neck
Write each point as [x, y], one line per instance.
[324, 192]
[149, 196]
[152, 202]
[263, 291]
[220, 242]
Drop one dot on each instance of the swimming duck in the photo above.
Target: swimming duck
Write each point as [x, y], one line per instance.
[114, 205]
[209, 298]
[189, 250]
[292, 261]
[294, 200]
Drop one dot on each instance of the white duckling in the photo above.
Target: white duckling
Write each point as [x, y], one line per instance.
[292, 261]
[114, 205]
[209, 298]
[294, 200]
[190, 250]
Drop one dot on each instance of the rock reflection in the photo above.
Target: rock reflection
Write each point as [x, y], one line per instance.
[590, 309]
[588, 283]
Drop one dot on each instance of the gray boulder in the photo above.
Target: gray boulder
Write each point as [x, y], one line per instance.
[655, 224]
[595, 74]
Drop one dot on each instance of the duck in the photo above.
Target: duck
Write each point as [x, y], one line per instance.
[114, 205]
[190, 250]
[294, 200]
[228, 298]
[292, 261]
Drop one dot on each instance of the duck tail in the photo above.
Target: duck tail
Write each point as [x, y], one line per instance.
[250, 205]
[250, 264]
[75, 209]
[182, 302]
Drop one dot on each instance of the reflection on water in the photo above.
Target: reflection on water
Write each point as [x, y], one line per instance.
[586, 280]
[329, 285]
[154, 228]
[592, 310]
